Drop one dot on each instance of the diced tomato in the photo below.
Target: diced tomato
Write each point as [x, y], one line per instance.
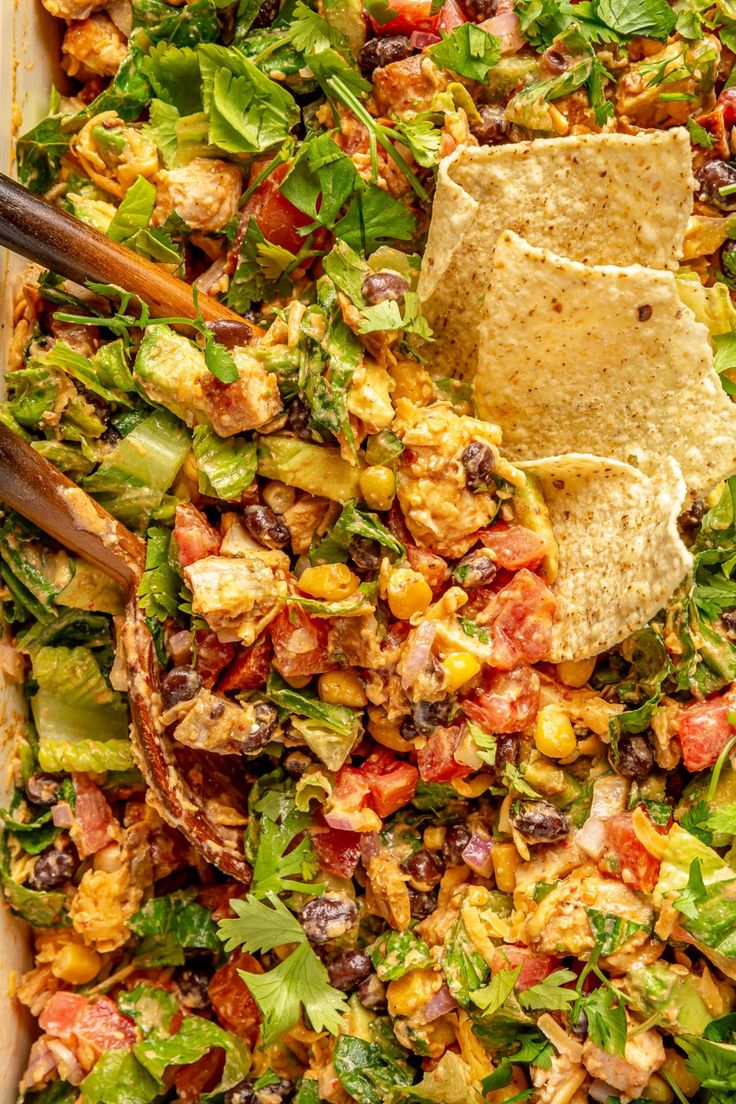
[534, 967]
[450, 17]
[347, 806]
[299, 643]
[93, 1027]
[62, 1014]
[411, 15]
[626, 857]
[392, 782]
[727, 103]
[338, 851]
[199, 1077]
[250, 668]
[436, 759]
[195, 537]
[704, 731]
[211, 656]
[507, 702]
[93, 819]
[277, 218]
[520, 621]
[231, 998]
[429, 564]
[217, 898]
[513, 546]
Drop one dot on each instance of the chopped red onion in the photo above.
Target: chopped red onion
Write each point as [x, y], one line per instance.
[477, 855]
[417, 652]
[505, 27]
[592, 837]
[61, 814]
[442, 1001]
[180, 647]
[370, 845]
[421, 39]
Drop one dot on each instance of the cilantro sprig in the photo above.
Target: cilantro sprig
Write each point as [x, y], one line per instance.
[469, 51]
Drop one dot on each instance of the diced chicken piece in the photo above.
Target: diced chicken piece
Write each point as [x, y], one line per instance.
[547, 865]
[561, 1081]
[212, 723]
[560, 925]
[629, 1073]
[441, 512]
[239, 597]
[250, 402]
[72, 9]
[405, 88]
[353, 641]
[370, 396]
[308, 517]
[389, 892]
[103, 906]
[204, 193]
[93, 46]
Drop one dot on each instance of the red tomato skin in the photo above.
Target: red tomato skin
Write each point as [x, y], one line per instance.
[199, 1077]
[534, 967]
[217, 899]
[625, 857]
[704, 731]
[513, 546]
[392, 782]
[350, 793]
[249, 669]
[277, 218]
[231, 998]
[337, 850]
[93, 817]
[507, 702]
[519, 621]
[195, 537]
[412, 15]
[211, 656]
[450, 17]
[437, 758]
[94, 1026]
[299, 644]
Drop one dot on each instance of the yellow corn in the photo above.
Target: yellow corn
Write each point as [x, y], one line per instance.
[76, 964]
[330, 582]
[674, 1065]
[411, 991]
[505, 860]
[554, 735]
[297, 681]
[408, 593]
[434, 837]
[387, 733]
[647, 834]
[459, 667]
[377, 486]
[575, 672]
[658, 1091]
[342, 688]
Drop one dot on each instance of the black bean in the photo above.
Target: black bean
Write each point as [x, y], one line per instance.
[691, 519]
[328, 917]
[507, 751]
[265, 722]
[52, 868]
[729, 620]
[477, 569]
[348, 970]
[427, 716]
[230, 333]
[44, 789]
[424, 869]
[266, 526]
[539, 822]
[554, 61]
[365, 553]
[378, 52]
[478, 10]
[711, 178]
[492, 126]
[422, 904]
[456, 840]
[111, 436]
[380, 286]
[296, 762]
[479, 464]
[578, 1026]
[193, 987]
[243, 1093]
[180, 684]
[279, 1093]
[298, 420]
[267, 14]
[372, 994]
[635, 759]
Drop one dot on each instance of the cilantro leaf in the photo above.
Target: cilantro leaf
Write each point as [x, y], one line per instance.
[373, 218]
[492, 996]
[380, 10]
[259, 927]
[468, 50]
[248, 112]
[423, 139]
[486, 745]
[309, 33]
[653, 18]
[723, 819]
[714, 1065]
[694, 893]
[606, 1019]
[386, 316]
[513, 777]
[550, 993]
[300, 980]
[699, 136]
[219, 360]
[695, 821]
[281, 867]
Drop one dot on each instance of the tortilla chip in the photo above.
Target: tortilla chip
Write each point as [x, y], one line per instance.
[620, 553]
[597, 198]
[602, 360]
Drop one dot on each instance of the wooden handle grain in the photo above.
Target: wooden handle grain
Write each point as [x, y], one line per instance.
[40, 232]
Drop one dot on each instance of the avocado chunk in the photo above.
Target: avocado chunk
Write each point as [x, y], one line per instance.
[311, 468]
[170, 368]
[346, 16]
[531, 512]
[657, 988]
[507, 75]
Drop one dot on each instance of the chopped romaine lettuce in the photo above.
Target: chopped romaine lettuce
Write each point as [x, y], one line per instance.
[354, 522]
[337, 718]
[225, 465]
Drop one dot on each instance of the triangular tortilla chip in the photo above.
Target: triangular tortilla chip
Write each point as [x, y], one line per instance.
[597, 198]
[620, 553]
[601, 360]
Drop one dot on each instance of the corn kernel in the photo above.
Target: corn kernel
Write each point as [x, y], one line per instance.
[575, 672]
[554, 735]
[505, 860]
[411, 991]
[658, 1091]
[342, 688]
[331, 582]
[378, 487]
[388, 734]
[674, 1065]
[408, 593]
[459, 667]
[434, 837]
[76, 964]
[297, 681]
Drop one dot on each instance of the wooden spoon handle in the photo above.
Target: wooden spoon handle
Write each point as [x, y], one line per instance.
[65, 245]
[45, 497]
